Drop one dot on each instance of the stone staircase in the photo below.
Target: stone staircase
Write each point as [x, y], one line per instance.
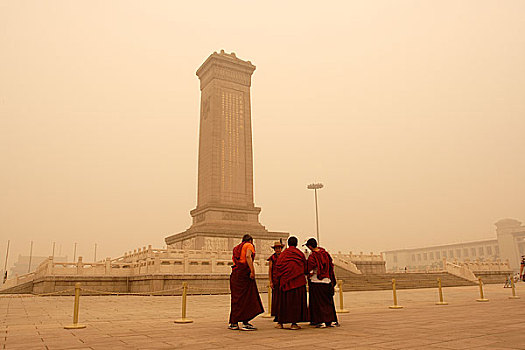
[355, 282]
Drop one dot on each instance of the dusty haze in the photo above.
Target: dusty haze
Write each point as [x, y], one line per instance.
[412, 114]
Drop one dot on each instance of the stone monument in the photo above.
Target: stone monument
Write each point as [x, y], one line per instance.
[225, 207]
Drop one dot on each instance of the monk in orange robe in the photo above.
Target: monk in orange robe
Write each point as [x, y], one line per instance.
[246, 303]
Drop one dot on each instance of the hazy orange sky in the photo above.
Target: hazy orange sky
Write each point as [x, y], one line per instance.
[412, 113]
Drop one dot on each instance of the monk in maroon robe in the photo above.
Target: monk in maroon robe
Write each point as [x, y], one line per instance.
[321, 283]
[272, 274]
[245, 300]
[290, 272]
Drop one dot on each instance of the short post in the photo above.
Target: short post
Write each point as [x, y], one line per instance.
[481, 297]
[513, 296]
[184, 293]
[395, 306]
[342, 309]
[440, 302]
[269, 313]
[75, 324]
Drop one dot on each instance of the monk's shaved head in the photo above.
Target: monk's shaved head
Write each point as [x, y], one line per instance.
[292, 241]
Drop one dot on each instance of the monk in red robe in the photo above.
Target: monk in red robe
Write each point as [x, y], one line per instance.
[321, 284]
[290, 273]
[272, 274]
[245, 300]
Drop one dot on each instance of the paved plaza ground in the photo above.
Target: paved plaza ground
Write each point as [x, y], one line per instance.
[146, 322]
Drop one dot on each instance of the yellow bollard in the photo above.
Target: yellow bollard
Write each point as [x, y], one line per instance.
[395, 306]
[269, 314]
[514, 296]
[75, 324]
[184, 293]
[481, 297]
[441, 302]
[342, 309]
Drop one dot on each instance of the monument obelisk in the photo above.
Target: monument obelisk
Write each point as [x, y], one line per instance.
[225, 206]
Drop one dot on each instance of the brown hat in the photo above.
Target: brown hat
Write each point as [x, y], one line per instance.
[277, 244]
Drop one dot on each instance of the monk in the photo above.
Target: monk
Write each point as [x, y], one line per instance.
[321, 284]
[290, 272]
[245, 300]
[274, 283]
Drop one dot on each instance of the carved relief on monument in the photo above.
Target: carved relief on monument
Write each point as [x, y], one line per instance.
[216, 243]
[200, 218]
[234, 216]
[263, 246]
[233, 76]
[188, 243]
[226, 74]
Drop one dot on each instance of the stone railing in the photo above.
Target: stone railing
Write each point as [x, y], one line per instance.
[360, 257]
[486, 265]
[18, 279]
[459, 270]
[345, 264]
[149, 261]
[49, 267]
[426, 269]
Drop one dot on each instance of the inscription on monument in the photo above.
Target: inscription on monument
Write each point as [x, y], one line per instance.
[233, 166]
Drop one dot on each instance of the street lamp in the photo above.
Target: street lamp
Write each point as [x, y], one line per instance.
[316, 187]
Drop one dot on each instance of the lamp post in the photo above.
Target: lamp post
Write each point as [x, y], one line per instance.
[30, 257]
[4, 277]
[316, 187]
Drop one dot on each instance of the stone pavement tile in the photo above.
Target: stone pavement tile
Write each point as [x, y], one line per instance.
[467, 343]
[446, 336]
[26, 347]
[501, 346]
[154, 345]
[64, 345]
[511, 338]
[112, 347]
[18, 337]
[107, 344]
[405, 344]
[202, 345]
[95, 339]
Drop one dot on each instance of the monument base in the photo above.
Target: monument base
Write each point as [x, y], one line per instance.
[217, 239]
[221, 228]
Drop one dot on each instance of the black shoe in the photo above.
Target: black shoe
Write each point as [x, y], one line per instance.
[247, 327]
[233, 327]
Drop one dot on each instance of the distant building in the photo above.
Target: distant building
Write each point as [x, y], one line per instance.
[21, 266]
[509, 244]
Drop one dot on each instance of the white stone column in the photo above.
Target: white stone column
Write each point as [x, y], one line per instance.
[156, 263]
[80, 266]
[107, 266]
